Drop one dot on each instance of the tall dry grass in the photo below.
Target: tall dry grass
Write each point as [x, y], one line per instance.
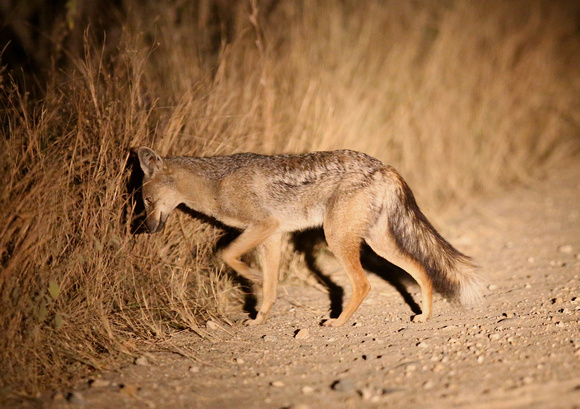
[461, 97]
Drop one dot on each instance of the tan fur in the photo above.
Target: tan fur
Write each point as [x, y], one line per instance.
[353, 196]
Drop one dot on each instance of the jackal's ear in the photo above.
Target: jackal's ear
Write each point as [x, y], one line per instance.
[150, 161]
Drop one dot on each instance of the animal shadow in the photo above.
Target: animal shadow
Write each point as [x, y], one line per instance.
[309, 241]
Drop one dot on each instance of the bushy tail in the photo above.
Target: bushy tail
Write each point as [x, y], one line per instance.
[454, 275]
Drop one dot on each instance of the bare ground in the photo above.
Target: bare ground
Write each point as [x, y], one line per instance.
[521, 349]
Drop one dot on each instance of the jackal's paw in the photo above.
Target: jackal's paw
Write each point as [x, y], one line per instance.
[420, 318]
[260, 318]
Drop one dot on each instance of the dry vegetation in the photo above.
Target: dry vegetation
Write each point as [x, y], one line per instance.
[460, 96]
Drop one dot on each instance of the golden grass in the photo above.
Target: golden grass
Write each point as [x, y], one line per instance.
[461, 97]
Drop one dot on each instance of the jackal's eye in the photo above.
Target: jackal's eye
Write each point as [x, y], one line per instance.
[148, 201]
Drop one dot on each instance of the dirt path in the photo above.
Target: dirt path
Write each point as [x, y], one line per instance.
[519, 350]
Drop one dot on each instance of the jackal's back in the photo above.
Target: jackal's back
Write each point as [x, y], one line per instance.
[293, 188]
[292, 169]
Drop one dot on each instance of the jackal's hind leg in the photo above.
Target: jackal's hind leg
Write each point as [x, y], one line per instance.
[346, 249]
[387, 249]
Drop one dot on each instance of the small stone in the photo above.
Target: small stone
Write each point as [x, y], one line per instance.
[270, 338]
[558, 300]
[492, 287]
[302, 334]
[422, 344]
[99, 383]
[277, 384]
[343, 385]
[141, 361]
[307, 390]
[428, 385]
[565, 249]
[494, 337]
[76, 398]
[193, 369]
[299, 406]
[212, 325]
[367, 393]
[129, 390]
[58, 397]
[531, 260]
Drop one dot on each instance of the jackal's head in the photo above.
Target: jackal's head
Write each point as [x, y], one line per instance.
[159, 189]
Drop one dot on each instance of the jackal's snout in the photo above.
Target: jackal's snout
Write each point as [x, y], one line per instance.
[156, 224]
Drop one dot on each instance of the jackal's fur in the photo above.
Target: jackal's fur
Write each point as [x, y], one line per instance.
[353, 196]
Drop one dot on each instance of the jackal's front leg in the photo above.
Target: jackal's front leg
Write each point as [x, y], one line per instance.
[270, 266]
[250, 238]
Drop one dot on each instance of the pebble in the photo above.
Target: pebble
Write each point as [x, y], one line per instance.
[299, 406]
[129, 390]
[307, 390]
[76, 398]
[429, 384]
[566, 249]
[212, 325]
[277, 384]
[193, 369]
[343, 385]
[141, 361]
[367, 393]
[270, 338]
[527, 380]
[558, 263]
[58, 397]
[302, 334]
[422, 345]
[492, 287]
[99, 383]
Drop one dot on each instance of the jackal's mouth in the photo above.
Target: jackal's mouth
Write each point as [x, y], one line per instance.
[156, 225]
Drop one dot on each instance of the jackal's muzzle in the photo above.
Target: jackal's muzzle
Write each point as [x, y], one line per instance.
[156, 224]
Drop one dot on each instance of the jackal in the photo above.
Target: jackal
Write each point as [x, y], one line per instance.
[353, 196]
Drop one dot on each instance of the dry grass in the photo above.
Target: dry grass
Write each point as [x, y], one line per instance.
[462, 97]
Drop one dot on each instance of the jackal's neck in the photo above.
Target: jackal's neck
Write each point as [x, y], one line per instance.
[196, 191]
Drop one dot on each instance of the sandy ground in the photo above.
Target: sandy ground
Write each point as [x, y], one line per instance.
[520, 349]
